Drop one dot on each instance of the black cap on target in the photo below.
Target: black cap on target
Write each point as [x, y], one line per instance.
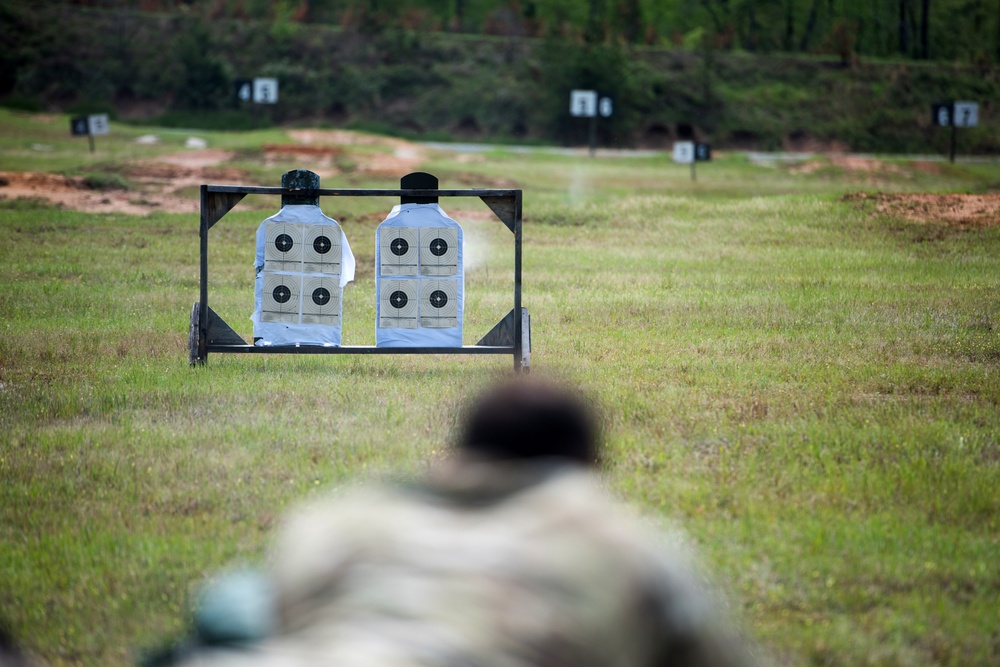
[304, 180]
[418, 180]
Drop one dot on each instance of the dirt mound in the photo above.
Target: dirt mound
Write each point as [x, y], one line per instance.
[72, 192]
[960, 210]
[143, 187]
[850, 163]
[169, 182]
[197, 159]
[391, 157]
[300, 150]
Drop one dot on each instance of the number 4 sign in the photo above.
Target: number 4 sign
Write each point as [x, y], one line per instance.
[244, 89]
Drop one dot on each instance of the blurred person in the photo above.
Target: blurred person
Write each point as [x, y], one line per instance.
[508, 554]
[11, 654]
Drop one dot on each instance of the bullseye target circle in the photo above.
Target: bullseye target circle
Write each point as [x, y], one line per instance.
[438, 247]
[438, 299]
[322, 244]
[281, 294]
[321, 296]
[398, 299]
[399, 247]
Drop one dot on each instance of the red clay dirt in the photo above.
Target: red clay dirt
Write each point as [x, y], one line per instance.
[959, 210]
[166, 183]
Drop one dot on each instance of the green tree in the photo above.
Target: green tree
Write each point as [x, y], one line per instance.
[204, 82]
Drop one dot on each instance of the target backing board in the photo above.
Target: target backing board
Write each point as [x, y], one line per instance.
[321, 250]
[398, 251]
[281, 300]
[283, 246]
[321, 300]
[438, 251]
[398, 304]
[439, 304]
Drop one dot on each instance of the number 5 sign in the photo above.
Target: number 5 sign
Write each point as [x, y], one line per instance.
[265, 91]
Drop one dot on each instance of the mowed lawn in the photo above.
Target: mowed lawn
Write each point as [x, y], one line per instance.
[808, 388]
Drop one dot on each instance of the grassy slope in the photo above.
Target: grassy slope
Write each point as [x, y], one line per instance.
[810, 390]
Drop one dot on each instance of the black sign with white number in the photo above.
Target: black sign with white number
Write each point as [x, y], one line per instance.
[703, 152]
[606, 106]
[941, 114]
[243, 89]
[79, 126]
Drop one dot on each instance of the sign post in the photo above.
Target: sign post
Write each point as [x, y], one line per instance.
[95, 124]
[702, 153]
[583, 104]
[259, 90]
[955, 115]
[689, 152]
[588, 104]
[265, 91]
[684, 154]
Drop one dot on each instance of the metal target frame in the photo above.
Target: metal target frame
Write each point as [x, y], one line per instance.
[209, 332]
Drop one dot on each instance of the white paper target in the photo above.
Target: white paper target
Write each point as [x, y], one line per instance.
[398, 304]
[321, 300]
[283, 247]
[281, 300]
[321, 250]
[438, 251]
[398, 251]
[439, 304]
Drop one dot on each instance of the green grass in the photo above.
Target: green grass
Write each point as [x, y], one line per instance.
[809, 389]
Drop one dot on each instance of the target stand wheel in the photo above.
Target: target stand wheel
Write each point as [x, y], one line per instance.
[194, 335]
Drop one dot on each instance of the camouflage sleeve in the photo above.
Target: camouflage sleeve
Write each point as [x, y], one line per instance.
[690, 626]
[310, 554]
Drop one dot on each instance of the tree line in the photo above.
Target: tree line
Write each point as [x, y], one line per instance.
[956, 30]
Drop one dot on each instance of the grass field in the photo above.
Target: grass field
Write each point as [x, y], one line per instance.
[808, 386]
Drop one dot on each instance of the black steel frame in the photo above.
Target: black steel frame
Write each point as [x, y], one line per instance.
[209, 333]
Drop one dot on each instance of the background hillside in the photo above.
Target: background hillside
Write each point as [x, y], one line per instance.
[794, 75]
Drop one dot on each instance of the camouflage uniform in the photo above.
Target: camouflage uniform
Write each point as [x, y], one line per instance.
[492, 565]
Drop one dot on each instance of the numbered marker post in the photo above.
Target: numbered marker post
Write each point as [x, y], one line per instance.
[583, 104]
[79, 126]
[265, 91]
[955, 115]
[243, 90]
[95, 124]
[606, 107]
[702, 153]
[99, 124]
[966, 114]
[941, 114]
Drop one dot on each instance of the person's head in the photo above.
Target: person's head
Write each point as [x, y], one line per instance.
[525, 419]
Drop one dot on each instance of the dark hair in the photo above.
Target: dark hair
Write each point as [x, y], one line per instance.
[524, 419]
